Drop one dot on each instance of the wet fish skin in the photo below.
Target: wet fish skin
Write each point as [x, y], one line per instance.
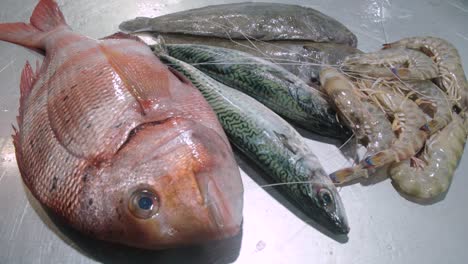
[118, 146]
[304, 59]
[278, 89]
[273, 144]
[255, 20]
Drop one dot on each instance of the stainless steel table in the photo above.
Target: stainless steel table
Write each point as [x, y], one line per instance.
[385, 227]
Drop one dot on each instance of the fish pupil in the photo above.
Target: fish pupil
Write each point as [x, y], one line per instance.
[326, 198]
[145, 203]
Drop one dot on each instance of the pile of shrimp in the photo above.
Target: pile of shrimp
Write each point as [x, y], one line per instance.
[406, 104]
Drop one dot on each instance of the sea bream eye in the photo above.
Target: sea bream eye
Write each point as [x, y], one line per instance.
[143, 204]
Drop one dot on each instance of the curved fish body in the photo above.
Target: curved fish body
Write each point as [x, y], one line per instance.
[275, 87]
[441, 156]
[274, 145]
[452, 76]
[254, 20]
[302, 58]
[118, 146]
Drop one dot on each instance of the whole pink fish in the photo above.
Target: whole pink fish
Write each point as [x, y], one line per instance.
[116, 144]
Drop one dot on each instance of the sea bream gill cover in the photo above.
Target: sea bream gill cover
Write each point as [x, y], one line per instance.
[117, 145]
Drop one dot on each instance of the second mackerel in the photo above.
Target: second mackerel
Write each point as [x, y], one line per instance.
[273, 144]
[278, 89]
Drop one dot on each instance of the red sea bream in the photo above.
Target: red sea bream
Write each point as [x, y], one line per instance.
[118, 145]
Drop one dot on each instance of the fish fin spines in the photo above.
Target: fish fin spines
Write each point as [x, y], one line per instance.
[47, 16]
[28, 77]
[18, 152]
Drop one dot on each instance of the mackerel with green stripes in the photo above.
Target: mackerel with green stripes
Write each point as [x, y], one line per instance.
[274, 145]
[272, 85]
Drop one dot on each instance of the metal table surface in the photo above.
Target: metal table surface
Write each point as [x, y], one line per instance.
[385, 227]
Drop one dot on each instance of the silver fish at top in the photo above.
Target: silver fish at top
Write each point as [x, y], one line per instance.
[300, 57]
[261, 21]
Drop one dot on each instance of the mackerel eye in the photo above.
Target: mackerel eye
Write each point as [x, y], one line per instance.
[143, 204]
[326, 199]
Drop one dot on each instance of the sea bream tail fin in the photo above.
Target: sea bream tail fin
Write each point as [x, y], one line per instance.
[45, 17]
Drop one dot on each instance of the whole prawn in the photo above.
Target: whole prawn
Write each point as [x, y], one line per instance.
[442, 154]
[367, 121]
[408, 120]
[445, 55]
[398, 63]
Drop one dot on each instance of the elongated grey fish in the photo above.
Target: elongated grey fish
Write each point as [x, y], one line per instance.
[274, 145]
[262, 21]
[300, 57]
[275, 87]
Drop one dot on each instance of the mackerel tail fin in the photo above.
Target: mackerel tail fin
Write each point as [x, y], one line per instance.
[45, 17]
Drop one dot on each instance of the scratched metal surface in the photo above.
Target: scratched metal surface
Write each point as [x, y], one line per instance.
[385, 227]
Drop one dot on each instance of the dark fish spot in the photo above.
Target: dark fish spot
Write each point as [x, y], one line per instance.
[54, 183]
[88, 126]
[118, 125]
[73, 86]
[90, 202]
[85, 177]
[100, 73]
[31, 143]
[121, 200]
[67, 120]
[65, 98]
[94, 107]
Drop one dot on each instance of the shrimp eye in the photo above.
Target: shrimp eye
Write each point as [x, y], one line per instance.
[326, 198]
[143, 204]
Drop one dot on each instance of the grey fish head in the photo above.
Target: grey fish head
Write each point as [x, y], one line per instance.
[326, 208]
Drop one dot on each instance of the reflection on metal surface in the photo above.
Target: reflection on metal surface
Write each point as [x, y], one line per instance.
[385, 228]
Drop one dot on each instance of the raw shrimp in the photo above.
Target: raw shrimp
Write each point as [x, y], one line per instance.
[433, 101]
[452, 76]
[408, 120]
[367, 121]
[399, 63]
[442, 154]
